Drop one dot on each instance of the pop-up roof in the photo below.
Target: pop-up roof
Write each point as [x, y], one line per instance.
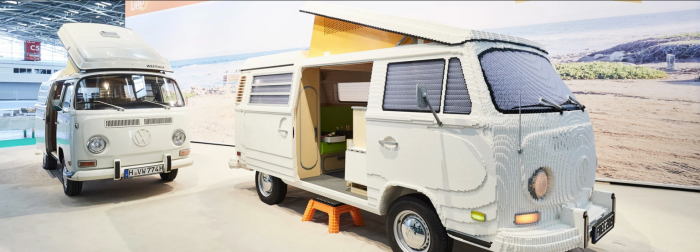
[353, 18]
[99, 46]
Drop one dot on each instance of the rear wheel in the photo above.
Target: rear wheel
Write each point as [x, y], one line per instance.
[413, 226]
[70, 187]
[167, 177]
[271, 190]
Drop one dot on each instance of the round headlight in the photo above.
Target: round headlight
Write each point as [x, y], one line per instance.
[97, 144]
[538, 184]
[179, 137]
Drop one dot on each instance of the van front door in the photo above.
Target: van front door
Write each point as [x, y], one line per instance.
[63, 124]
[40, 116]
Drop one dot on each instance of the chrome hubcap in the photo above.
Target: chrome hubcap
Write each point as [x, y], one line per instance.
[264, 184]
[411, 232]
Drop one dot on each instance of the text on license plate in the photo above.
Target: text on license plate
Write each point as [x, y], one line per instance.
[142, 171]
[603, 227]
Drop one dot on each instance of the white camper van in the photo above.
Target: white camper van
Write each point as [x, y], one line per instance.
[112, 113]
[457, 135]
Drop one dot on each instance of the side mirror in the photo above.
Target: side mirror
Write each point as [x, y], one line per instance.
[421, 94]
[56, 103]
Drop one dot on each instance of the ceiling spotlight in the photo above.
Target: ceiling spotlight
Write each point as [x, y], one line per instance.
[99, 4]
[106, 3]
[3, 29]
[11, 2]
[22, 24]
[97, 16]
[73, 11]
[45, 18]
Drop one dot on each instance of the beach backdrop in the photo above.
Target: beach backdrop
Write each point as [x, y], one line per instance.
[646, 119]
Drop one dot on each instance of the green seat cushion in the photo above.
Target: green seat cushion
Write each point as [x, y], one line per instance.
[328, 148]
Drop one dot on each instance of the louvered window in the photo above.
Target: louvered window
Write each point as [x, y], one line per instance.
[271, 89]
[457, 100]
[402, 79]
[241, 88]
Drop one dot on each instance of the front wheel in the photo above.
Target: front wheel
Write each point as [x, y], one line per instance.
[413, 226]
[167, 177]
[70, 187]
[271, 190]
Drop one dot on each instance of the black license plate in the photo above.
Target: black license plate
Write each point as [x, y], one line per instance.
[602, 227]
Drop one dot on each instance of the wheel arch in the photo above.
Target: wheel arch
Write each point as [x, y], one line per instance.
[392, 192]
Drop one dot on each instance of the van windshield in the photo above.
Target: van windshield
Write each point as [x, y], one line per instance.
[521, 78]
[127, 91]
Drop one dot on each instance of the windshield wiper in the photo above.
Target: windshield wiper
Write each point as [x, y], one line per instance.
[165, 106]
[100, 102]
[543, 103]
[571, 100]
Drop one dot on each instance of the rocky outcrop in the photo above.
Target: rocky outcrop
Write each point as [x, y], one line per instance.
[686, 47]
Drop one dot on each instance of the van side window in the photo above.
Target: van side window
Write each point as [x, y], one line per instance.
[402, 79]
[271, 89]
[68, 97]
[457, 100]
[43, 92]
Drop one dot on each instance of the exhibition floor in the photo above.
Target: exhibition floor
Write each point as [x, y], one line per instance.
[210, 207]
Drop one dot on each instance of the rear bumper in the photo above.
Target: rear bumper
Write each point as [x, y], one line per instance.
[109, 173]
[574, 229]
[235, 163]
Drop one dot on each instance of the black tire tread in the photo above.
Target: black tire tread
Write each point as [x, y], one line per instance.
[167, 177]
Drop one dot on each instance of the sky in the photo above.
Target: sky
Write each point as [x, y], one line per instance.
[224, 28]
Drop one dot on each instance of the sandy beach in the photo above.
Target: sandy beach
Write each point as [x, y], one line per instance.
[645, 130]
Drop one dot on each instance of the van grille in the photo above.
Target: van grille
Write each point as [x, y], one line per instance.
[122, 123]
[241, 87]
[153, 121]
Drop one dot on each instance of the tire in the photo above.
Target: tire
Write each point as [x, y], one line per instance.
[271, 190]
[49, 163]
[70, 187]
[417, 213]
[167, 177]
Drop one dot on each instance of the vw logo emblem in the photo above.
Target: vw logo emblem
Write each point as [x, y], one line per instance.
[142, 137]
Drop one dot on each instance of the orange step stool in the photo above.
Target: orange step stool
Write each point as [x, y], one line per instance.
[334, 209]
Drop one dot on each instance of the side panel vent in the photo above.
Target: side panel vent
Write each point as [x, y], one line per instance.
[153, 121]
[122, 123]
[241, 88]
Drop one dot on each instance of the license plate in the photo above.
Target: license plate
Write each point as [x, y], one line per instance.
[602, 227]
[143, 171]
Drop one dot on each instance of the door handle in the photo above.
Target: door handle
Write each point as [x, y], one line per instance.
[388, 142]
[282, 131]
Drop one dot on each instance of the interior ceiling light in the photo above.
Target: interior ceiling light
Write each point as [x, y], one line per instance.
[12, 2]
[22, 24]
[74, 11]
[99, 4]
[97, 16]
[106, 3]
[45, 18]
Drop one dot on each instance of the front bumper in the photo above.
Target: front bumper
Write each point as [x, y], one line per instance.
[110, 173]
[574, 229]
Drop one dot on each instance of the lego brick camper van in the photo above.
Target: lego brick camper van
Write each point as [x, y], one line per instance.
[453, 134]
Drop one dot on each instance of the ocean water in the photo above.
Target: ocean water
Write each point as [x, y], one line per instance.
[603, 33]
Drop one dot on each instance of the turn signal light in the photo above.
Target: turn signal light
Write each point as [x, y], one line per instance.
[527, 218]
[184, 152]
[87, 163]
[479, 216]
[238, 153]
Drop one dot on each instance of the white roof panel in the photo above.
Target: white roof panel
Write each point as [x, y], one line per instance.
[99, 46]
[419, 28]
